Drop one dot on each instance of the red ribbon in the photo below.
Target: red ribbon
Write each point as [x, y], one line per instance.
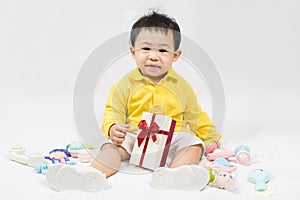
[145, 134]
[147, 131]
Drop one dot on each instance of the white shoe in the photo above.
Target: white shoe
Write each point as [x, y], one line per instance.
[74, 177]
[187, 177]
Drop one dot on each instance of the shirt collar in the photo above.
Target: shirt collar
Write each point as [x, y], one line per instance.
[136, 74]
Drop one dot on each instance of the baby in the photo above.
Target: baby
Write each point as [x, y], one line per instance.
[153, 86]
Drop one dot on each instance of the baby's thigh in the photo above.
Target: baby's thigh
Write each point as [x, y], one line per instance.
[181, 141]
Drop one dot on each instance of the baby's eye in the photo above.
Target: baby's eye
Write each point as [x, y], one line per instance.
[163, 51]
[146, 48]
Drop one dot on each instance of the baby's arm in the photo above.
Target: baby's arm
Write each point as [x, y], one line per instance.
[200, 123]
[115, 110]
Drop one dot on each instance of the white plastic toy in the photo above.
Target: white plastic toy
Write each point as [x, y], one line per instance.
[17, 154]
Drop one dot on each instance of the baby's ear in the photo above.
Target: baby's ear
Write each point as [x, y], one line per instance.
[176, 55]
[132, 51]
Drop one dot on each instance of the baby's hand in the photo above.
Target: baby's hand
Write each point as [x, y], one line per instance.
[117, 133]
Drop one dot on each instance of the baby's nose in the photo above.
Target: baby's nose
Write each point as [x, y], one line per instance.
[153, 55]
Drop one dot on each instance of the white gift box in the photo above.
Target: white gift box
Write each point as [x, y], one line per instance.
[153, 141]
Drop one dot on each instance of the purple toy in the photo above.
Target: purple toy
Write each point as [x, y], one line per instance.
[58, 156]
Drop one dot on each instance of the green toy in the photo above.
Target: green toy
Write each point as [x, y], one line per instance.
[76, 146]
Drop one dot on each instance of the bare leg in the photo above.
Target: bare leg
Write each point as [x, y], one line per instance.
[190, 155]
[109, 159]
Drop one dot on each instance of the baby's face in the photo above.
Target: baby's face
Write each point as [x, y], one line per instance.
[154, 53]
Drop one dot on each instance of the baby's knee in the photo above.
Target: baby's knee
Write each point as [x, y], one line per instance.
[113, 150]
[108, 146]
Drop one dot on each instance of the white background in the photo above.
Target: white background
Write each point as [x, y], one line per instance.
[254, 44]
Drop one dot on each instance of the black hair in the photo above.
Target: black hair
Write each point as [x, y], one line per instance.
[156, 21]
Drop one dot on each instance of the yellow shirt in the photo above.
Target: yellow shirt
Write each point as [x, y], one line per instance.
[134, 94]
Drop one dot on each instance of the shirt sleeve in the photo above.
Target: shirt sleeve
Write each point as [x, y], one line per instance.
[198, 121]
[115, 108]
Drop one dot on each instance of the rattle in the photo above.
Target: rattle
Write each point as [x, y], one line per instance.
[80, 151]
[260, 178]
[241, 155]
[17, 154]
[56, 156]
[221, 173]
[59, 156]
[84, 155]
[74, 148]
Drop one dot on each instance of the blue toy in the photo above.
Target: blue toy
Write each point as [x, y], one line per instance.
[260, 178]
[42, 168]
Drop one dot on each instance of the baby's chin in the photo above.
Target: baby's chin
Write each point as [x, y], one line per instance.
[153, 70]
[154, 74]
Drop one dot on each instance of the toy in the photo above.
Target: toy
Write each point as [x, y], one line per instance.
[84, 155]
[56, 156]
[42, 168]
[59, 156]
[76, 146]
[218, 153]
[210, 145]
[241, 155]
[224, 179]
[17, 154]
[221, 173]
[260, 178]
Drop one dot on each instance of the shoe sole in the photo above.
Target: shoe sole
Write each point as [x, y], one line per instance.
[72, 177]
[188, 177]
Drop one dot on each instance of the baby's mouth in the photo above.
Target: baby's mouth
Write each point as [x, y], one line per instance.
[152, 66]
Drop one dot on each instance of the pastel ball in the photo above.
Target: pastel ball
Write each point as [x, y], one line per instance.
[84, 155]
[243, 158]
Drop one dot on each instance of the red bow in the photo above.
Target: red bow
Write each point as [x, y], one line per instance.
[147, 131]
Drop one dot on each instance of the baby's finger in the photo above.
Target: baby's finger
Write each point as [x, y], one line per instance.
[124, 127]
[117, 141]
[119, 134]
